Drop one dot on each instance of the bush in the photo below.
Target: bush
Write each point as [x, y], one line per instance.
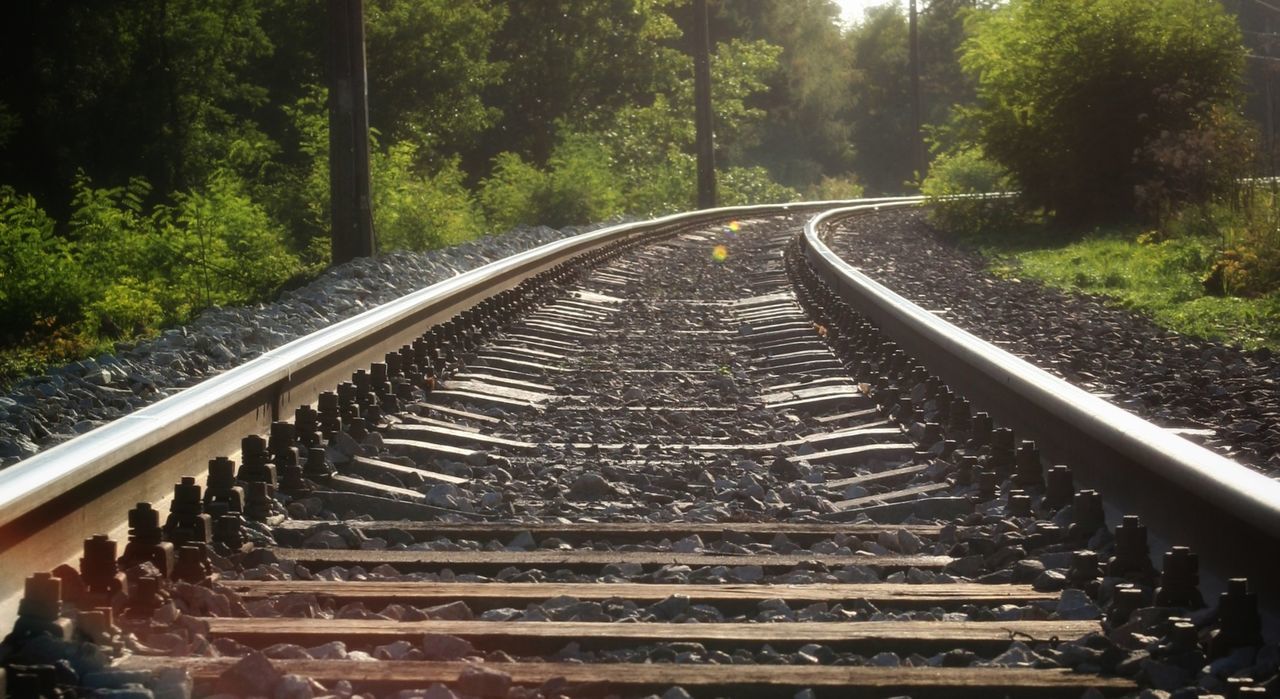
[835, 189]
[412, 212]
[577, 187]
[40, 277]
[752, 185]
[962, 189]
[581, 187]
[508, 195]
[1070, 90]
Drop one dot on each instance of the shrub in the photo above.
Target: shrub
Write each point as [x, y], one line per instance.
[581, 187]
[835, 189]
[126, 308]
[1070, 90]
[508, 195]
[963, 190]
[752, 185]
[40, 277]
[413, 212]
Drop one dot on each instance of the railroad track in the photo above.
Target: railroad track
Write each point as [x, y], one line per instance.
[698, 456]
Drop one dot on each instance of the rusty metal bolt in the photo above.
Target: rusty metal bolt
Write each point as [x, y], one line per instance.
[1132, 557]
[255, 466]
[356, 429]
[988, 484]
[193, 563]
[1002, 455]
[1019, 504]
[146, 540]
[221, 485]
[187, 521]
[1084, 572]
[41, 597]
[980, 430]
[145, 598]
[1059, 487]
[329, 413]
[346, 394]
[958, 416]
[965, 469]
[1027, 464]
[363, 381]
[1125, 600]
[1087, 516]
[228, 530]
[317, 467]
[98, 567]
[257, 501]
[1180, 580]
[1239, 624]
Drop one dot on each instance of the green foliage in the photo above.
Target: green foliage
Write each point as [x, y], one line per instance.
[581, 186]
[578, 187]
[428, 65]
[963, 190]
[1160, 278]
[412, 212]
[39, 275]
[751, 185]
[1071, 90]
[835, 189]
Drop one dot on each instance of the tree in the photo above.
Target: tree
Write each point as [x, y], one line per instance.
[1074, 93]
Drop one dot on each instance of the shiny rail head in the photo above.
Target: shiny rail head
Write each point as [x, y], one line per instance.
[1228, 485]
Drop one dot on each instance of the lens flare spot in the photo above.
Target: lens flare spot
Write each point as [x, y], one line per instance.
[734, 226]
[719, 253]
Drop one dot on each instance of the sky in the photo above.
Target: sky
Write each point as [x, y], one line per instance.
[851, 10]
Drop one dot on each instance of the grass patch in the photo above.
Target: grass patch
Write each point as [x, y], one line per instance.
[1162, 279]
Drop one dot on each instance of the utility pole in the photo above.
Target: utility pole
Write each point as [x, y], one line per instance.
[917, 142]
[702, 107]
[349, 191]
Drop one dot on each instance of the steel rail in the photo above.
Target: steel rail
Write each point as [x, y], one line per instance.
[51, 501]
[1229, 513]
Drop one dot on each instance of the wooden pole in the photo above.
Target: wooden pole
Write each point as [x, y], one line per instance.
[917, 142]
[702, 107]
[350, 205]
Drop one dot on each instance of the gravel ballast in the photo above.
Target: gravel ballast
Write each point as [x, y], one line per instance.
[1220, 396]
[38, 412]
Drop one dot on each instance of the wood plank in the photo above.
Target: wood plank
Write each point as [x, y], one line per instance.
[449, 435]
[533, 368]
[424, 450]
[878, 476]
[621, 532]
[482, 596]
[503, 381]
[539, 638]
[850, 436]
[597, 679]
[488, 389]
[481, 399]
[861, 455]
[360, 485]
[367, 465]
[577, 559]
[895, 496]
[456, 412]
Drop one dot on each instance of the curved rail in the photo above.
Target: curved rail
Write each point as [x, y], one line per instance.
[51, 501]
[1197, 496]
